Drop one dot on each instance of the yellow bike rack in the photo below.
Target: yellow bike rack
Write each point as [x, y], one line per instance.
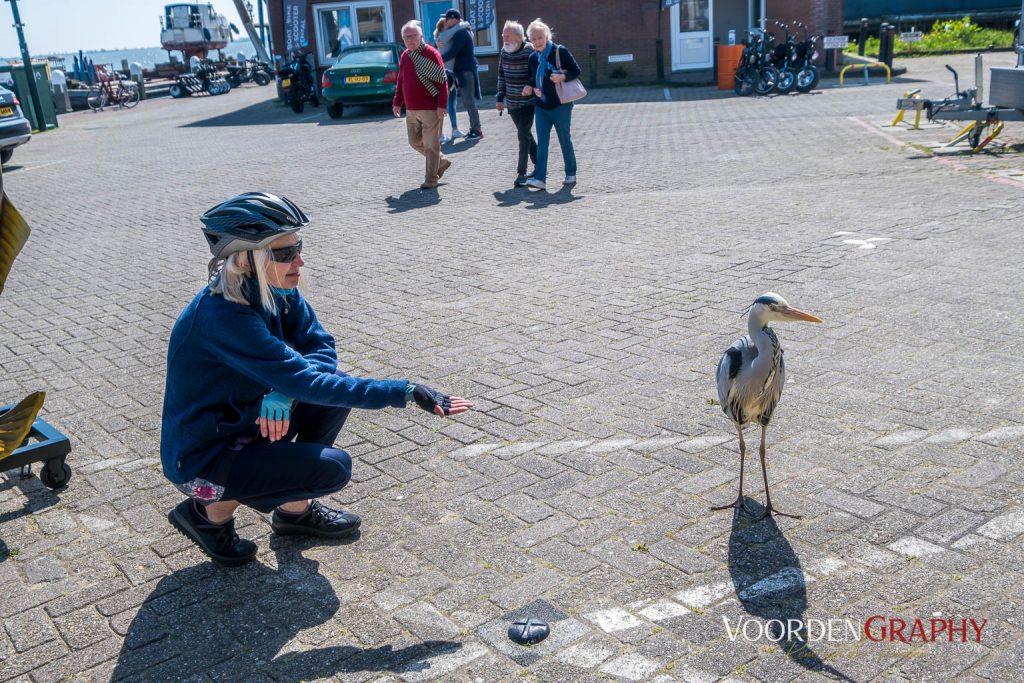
[869, 65]
[918, 107]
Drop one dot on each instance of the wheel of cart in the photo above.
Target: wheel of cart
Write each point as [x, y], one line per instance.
[43, 443]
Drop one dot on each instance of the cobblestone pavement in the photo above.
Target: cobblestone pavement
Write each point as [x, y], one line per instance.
[586, 325]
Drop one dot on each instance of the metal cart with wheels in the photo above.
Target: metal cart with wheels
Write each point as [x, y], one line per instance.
[44, 444]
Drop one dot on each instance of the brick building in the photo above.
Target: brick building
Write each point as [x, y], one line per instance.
[615, 41]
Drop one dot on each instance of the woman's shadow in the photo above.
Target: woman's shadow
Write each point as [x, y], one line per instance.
[231, 624]
[536, 200]
[770, 585]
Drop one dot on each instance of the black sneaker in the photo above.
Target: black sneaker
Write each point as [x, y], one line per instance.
[317, 520]
[475, 134]
[521, 180]
[219, 541]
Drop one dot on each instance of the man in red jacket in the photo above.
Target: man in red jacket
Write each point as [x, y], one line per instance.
[423, 88]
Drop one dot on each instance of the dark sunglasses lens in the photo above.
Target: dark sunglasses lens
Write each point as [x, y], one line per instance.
[287, 254]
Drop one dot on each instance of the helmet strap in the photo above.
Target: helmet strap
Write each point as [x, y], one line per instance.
[252, 265]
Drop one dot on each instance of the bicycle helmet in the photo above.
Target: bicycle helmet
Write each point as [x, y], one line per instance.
[251, 220]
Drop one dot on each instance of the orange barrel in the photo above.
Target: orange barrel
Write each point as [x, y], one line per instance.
[728, 62]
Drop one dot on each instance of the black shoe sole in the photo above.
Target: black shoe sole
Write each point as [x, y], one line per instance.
[227, 561]
[299, 530]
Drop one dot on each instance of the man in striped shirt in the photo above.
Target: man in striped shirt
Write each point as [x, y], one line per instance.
[513, 75]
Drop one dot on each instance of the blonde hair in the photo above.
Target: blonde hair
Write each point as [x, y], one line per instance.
[440, 27]
[230, 280]
[516, 27]
[540, 26]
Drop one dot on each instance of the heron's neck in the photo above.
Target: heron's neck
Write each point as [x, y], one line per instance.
[764, 339]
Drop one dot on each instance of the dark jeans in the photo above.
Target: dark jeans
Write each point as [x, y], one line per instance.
[468, 91]
[523, 118]
[264, 474]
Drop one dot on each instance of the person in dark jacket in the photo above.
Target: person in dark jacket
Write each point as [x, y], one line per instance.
[458, 46]
[513, 76]
[254, 399]
[550, 111]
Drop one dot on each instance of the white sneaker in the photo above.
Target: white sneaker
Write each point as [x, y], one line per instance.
[445, 139]
[456, 133]
[569, 180]
[536, 184]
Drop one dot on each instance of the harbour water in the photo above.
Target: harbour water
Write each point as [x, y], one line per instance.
[148, 57]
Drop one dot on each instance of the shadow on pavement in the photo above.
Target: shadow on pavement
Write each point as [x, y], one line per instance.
[770, 585]
[38, 497]
[414, 199]
[270, 112]
[450, 148]
[232, 624]
[535, 199]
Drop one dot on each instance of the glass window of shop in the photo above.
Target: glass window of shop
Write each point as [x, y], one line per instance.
[429, 11]
[343, 25]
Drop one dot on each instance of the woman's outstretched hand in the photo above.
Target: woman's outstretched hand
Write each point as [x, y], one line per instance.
[275, 415]
[433, 401]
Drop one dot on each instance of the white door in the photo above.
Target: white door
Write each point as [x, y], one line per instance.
[342, 25]
[692, 43]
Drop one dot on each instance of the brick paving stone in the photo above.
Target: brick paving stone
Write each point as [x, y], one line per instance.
[586, 326]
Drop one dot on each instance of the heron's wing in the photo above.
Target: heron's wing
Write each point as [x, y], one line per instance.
[16, 423]
[14, 233]
[730, 376]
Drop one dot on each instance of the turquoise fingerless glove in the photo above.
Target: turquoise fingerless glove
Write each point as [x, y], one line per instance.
[276, 406]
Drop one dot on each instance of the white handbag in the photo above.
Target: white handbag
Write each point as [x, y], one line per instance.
[568, 91]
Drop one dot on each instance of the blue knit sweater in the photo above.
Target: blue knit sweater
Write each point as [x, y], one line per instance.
[224, 357]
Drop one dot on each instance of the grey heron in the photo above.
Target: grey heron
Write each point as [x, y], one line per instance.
[751, 375]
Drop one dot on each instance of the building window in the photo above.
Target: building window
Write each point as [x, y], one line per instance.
[429, 11]
[343, 25]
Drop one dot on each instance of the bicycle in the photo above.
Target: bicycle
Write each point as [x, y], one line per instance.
[100, 95]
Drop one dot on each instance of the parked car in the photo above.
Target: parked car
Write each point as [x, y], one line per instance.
[15, 129]
[362, 74]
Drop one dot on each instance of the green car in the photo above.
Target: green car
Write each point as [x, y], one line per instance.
[363, 74]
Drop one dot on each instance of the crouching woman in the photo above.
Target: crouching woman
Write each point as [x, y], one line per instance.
[254, 400]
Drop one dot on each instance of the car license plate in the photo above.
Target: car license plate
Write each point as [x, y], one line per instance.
[357, 79]
[6, 111]
[286, 82]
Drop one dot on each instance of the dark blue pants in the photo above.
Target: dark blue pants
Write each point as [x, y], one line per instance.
[561, 118]
[264, 474]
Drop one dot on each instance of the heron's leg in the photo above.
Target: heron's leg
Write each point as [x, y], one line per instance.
[738, 503]
[769, 510]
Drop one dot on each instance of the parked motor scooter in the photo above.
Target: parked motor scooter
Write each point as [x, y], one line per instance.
[298, 83]
[248, 70]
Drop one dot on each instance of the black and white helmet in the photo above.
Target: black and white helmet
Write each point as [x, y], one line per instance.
[250, 221]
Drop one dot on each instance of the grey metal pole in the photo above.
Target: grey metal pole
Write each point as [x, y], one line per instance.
[1020, 43]
[259, 12]
[37, 104]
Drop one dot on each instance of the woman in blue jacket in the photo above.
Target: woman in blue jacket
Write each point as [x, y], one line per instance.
[550, 111]
[254, 399]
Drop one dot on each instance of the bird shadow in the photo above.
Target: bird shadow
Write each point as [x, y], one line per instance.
[241, 623]
[769, 582]
[410, 200]
[534, 199]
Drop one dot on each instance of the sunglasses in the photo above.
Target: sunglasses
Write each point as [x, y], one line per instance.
[286, 254]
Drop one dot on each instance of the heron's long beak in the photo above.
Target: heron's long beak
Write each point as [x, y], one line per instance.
[797, 314]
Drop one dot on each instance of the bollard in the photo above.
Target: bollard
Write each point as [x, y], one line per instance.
[883, 35]
[863, 38]
[890, 45]
[830, 57]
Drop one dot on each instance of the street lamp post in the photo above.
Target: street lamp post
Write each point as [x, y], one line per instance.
[37, 104]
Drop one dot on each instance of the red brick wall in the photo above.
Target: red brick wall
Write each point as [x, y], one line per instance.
[613, 27]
